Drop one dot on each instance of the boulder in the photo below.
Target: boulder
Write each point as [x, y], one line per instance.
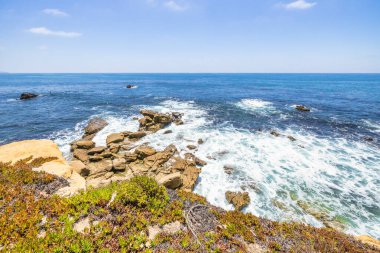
[228, 169]
[130, 157]
[200, 141]
[302, 108]
[191, 157]
[84, 144]
[238, 199]
[291, 138]
[95, 125]
[76, 183]
[130, 86]
[82, 225]
[148, 113]
[96, 150]
[16, 151]
[178, 122]
[135, 135]
[114, 138]
[144, 151]
[95, 158]
[171, 181]
[79, 167]
[81, 154]
[191, 147]
[154, 121]
[119, 164]
[189, 178]
[114, 148]
[275, 133]
[100, 167]
[27, 95]
[177, 115]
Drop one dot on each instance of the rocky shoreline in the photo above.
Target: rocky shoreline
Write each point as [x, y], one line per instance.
[97, 167]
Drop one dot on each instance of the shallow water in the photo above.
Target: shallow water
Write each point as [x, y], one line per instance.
[330, 168]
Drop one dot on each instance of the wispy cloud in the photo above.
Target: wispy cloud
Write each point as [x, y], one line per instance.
[55, 12]
[299, 5]
[47, 32]
[175, 6]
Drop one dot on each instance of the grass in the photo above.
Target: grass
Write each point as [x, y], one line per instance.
[33, 220]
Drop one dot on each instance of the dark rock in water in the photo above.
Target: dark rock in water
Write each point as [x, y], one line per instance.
[129, 86]
[368, 138]
[274, 133]
[168, 132]
[291, 138]
[228, 169]
[302, 108]
[27, 95]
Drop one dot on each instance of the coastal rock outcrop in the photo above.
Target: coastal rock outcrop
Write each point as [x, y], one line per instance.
[302, 108]
[27, 95]
[238, 199]
[94, 125]
[154, 121]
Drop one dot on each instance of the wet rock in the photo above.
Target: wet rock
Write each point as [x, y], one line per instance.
[130, 86]
[80, 168]
[27, 95]
[114, 138]
[228, 169]
[168, 132]
[200, 141]
[171, 181]
[238, 199]
[275, 133]
[144, 151]
[368, 138]
[81, 154]
[302, 108]
[177, 115]
[178, 122]
[96, 150]
[197, 161]
[291, 138]
[95, 125]
[191, 147]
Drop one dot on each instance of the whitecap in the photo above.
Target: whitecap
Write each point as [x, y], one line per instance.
[256, 106]
[374, 126]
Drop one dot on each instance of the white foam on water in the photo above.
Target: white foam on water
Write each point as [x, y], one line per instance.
[375, 126]
[256, 105]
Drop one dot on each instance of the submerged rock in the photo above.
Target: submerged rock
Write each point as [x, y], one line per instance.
[27, 95]
[238, 199]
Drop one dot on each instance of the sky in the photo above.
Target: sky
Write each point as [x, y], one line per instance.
[186, 36]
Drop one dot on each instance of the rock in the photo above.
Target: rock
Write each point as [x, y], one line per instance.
[291, 138]
[100, 167]
[172, 228]
[148, 113]
[368, 138]
[135, 135]
[76, 183]
[84, 144]
[238, 199]
[97, 182]
[96, 150]
[369, 240]
[200, 141]
[197, 161]
[162, 118]
[145, 121]
[153, 231]
[178, 122]
[191, 147]
[138, 168]
[154, 121]
[129, 86]
[80, 168]
[144, 151]
[158, 159]
[275, 133]
[130, 157]
[190, 177]
[114, 148]
[16, 151]
[171, 181]
[177, 115]
[95, 158]
[82, 225]
[114, 138]
[302, 108]
[119, 164]
[95, 125]
[27, 95]
[107, 155]
[168, 132]
[228, 169]
[81, 154]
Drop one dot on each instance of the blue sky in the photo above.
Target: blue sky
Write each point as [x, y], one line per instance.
[190, 36]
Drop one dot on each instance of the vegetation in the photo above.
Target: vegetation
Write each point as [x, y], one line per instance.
[119, 215]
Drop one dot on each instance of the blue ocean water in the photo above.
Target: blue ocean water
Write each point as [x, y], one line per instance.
[331, 168]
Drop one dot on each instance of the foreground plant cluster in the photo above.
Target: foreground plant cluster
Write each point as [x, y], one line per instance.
[120, 218]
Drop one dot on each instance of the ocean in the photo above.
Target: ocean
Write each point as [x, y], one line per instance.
[330, 174]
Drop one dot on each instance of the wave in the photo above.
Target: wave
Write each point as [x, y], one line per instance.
[373, 126]
[256, 106]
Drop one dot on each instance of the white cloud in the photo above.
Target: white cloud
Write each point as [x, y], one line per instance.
[55, 12]
[299, 5]
[47, 32]
[174, 6]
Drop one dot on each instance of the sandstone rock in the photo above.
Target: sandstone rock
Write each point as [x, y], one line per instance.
[136, 135]
[114, 138]
[82, 225]
[95, 158]
[191, 147]
[100, 167]
[158, 159]
[153, 231]
[302, 108]
[96, 150]
[97, 182]
[172, 228]
[85, 144]
[197, 161]
[162, 118]
[107, 155]
[148, 113]
[189, 178]
[76, 183]
[130, 157]
[138, 168]
[119, 164]
[79, 167]
[27, 95]
[95, 125]
[171, 181]
[16, 151]
[81, 154]
[114, 148]
[238, 199]
[145, 121]
[144, 151]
